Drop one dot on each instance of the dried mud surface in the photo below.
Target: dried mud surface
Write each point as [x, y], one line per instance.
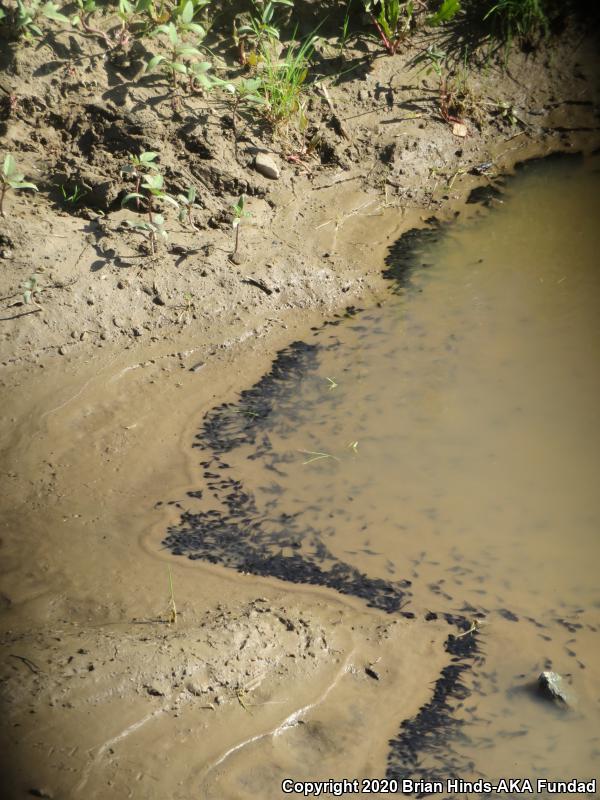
[104, 383]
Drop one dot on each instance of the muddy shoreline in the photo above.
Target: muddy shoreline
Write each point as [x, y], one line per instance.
[103, 388]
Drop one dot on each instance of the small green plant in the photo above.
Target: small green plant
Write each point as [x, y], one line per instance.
[181, 60]
[257, 29]
[11, 179]
[154, 192]
[31, 290]
[187, 203]
[137, 168]
[246, 92]
[332, 384]
[392, 19]
[434, 60]
[72, 196]
[26, 19]
[238, 215]
[445, 13]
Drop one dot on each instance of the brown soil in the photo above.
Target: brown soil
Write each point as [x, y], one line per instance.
[103, 698]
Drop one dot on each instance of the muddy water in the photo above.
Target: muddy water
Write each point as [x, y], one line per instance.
[439, 455]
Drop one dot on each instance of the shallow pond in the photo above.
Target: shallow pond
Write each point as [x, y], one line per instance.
[439, 454]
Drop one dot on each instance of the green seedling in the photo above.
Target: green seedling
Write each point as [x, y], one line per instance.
[245, 92]
[11, 179]
[187, 203]
[238, 215]
[392, 19]
[172, 606]
[25, 20]
[433, 60]
[353, 446]
[137, 167]
[445, 13]
[182, 59]
[153, 186]
[345, 29]
[184, 14]
[332, 384]
[257, 30]
[72, 197]
[31, 290]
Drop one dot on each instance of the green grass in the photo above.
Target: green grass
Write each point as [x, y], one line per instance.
[519, 19]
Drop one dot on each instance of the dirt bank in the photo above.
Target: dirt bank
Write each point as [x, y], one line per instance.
[106, 376]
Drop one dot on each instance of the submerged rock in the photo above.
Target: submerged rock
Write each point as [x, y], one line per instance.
[553, 687]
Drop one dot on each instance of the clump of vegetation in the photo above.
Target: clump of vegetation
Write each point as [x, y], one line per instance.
[519, 19]
[282, 81]
[392, 20]
[11, 179]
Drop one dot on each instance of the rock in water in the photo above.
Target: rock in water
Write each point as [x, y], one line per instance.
[553, 687]
[266, 165]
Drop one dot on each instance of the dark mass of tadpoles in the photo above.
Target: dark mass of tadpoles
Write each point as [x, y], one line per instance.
[273, 543]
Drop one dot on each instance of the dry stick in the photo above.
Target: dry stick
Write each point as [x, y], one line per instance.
[336, 118]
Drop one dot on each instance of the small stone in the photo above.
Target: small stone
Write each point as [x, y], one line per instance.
[118, 323]
[83, 336]
[363, 94]
[62, 350]
[137, 331]
[266, 165]
[552, 686]
[236, 258]
[7, 254]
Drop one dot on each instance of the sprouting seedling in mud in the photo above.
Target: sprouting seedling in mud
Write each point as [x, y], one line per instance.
[187, 203]
[26, 18]
[11, 179]
[153, 186]
[433, 60]
[31, 290]
[182, 59]
[238, 215]
[137, 168]
[392, 20]
[245, 92]
[256, 29]
[332, 384]
[72, 196]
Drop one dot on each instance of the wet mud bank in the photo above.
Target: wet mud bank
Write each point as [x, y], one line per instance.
[284, 648]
